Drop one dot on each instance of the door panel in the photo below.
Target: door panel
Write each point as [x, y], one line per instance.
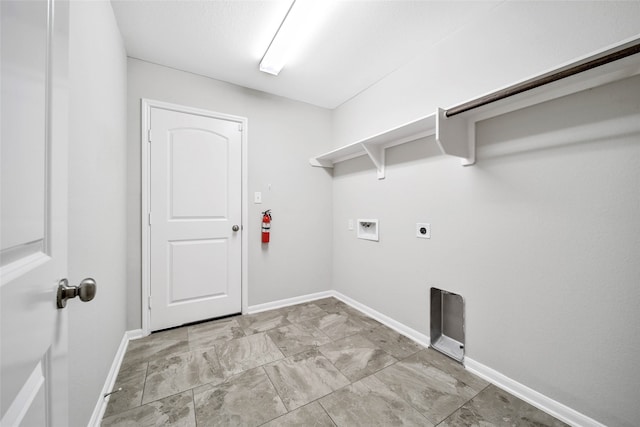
[195, 199]
[192, 270]
[198, 159]
[24, 53]
[33, 257]
[36, 414]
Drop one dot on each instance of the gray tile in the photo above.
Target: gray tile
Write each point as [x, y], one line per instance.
[175, 334]
[158, 344]
[356, 357]
[173, 374]
[131, 379]
[448, 365]
[331, 305]
[206, 335]
[335, 306]
[248, 399]
[362, 317]
[247, 353]
[433, 392]
[369, 402]
[304, 377]
[293, 339]
[302, 312]
[176, 410]
[311, 415]
[260, 322]
[338, 326]
[493, 406]
[222, 365]
[392, 342]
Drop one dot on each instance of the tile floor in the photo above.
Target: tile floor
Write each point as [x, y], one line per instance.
[321, 363]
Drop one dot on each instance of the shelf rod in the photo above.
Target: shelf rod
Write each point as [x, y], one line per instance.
[544, 79]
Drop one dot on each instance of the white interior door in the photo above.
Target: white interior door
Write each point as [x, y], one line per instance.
[195, 217]
[33, 234]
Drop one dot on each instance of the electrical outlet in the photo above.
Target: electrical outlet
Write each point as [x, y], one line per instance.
[423, 230]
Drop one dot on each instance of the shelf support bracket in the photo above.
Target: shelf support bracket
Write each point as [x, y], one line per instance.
[376, 154]
[320, 163]
[456, 136]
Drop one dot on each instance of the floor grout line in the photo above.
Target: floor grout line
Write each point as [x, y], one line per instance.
[460, 407]
[327, 412]
[277, 392]
[195, 413]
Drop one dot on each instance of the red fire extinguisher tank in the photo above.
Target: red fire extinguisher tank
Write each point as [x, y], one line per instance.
[266, 225]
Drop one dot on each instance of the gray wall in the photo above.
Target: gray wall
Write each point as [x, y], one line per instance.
[282, 135]
[541, 236]
[97, 197]
[514, 41]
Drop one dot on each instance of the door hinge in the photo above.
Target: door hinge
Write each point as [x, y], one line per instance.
[240, 127]
[148, 135]
[149, 218]
[149, 302]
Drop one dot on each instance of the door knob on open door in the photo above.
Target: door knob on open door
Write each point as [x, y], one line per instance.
[86, 291]
[235, 228]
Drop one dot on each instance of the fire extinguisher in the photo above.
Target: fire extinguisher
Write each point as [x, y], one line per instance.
[266, 225]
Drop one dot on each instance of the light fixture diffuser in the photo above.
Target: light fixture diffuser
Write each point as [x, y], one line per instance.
[300, 21]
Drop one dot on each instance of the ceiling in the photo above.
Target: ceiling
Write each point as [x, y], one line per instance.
[356, 45]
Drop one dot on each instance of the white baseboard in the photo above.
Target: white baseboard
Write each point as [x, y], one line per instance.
[101, 405]
[135, 334]
[252, 309]
[401, 328]
[539, 400]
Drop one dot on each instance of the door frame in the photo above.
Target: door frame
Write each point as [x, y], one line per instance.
[145, 114]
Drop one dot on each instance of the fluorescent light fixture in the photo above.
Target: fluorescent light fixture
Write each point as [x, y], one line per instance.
[300, 21]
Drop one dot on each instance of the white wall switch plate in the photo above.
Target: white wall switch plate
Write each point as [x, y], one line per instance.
[350, 224]
[257, 197]
[423, 230]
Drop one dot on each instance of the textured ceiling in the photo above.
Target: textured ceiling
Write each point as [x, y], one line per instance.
[357, 44]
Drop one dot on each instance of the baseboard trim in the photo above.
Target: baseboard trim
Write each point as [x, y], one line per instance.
[401, 328]
[101, 405]
[252, 309]
[539, 400]
[135, 334]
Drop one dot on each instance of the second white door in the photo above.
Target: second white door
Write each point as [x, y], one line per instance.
[195, 217]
